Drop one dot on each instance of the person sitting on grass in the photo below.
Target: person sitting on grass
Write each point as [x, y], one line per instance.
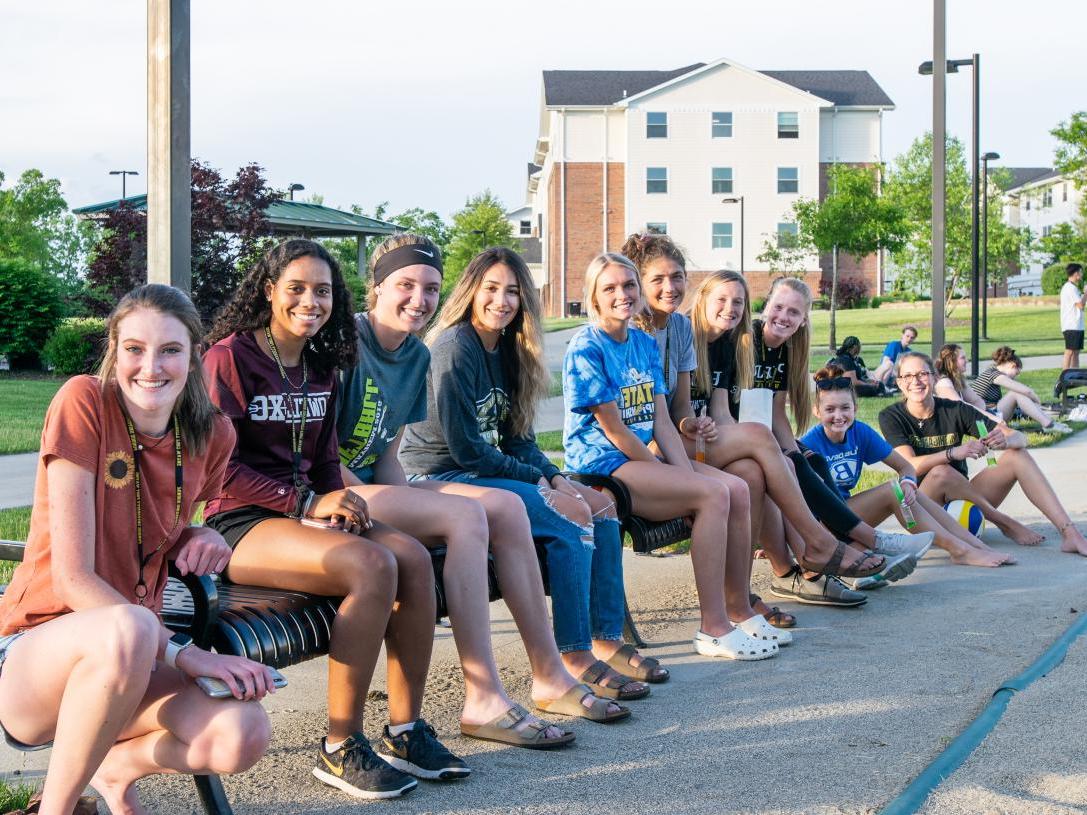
[951, 379]
[848, 444]
[848, 358]
[938, 436]
[86, 665]
[885, 372]
[1002, 374]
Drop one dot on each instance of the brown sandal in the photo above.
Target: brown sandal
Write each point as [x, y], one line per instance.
[775, 616]
[834, 566]
[507, 729]
[570, 704]
[607, 683]
[648, 670]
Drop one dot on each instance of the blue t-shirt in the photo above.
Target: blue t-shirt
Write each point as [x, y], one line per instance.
[862, 445]
[893, 349]
[597, 370]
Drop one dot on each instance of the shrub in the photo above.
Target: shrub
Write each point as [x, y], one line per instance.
[357, 286]
[76, 345]
[757, 305]
[1054, 277]
[852, 291]
[875, 302]
[30, 308]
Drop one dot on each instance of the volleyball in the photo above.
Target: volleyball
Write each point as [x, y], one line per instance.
[968, 515]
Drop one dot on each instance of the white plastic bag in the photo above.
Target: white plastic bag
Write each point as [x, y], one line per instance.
[1078, 414]
[757, 405]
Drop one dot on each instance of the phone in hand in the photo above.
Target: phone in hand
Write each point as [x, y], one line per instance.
[322, 523]
[218, 689]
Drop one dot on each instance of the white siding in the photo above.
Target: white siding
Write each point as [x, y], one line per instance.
[850, 136]
[1038, 219]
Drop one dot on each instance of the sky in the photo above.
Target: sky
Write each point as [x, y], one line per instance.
[431, 102]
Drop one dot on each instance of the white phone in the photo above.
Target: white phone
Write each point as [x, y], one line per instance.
[218, 689]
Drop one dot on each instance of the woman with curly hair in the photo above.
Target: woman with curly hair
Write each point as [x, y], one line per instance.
[293, 525]
[486, 378]
[1003, 395]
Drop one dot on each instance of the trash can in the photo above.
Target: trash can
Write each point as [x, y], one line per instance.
[573, 308]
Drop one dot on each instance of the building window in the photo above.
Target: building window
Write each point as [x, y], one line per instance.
[1027, 198]
[787, 235]
[656, 228]
[722, 236]
[788, 126]
[526, 227]
[721, 180]
[1064, 191]
[721, 127]
[788, 179]
[656, 125]
[1047, 197]
[1047, 231]
[656, 179]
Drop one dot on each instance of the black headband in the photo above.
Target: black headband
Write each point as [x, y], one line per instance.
[414, 255]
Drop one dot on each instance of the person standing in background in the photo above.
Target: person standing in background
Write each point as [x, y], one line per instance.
[1072, 301]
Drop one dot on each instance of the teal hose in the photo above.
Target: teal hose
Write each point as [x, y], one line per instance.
[913, 797]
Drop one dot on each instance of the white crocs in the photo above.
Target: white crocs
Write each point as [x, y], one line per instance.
[758, 628]
[737, 644]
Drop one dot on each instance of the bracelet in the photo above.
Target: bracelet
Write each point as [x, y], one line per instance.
[947, 454]
[310, 498]
[305, 495]
[909, 478]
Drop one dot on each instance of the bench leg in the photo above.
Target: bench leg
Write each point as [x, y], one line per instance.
[212, 795]
[630, 630]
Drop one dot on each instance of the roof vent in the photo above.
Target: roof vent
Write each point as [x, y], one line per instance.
[624, 93]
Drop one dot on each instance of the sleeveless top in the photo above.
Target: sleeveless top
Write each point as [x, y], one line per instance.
[984, 386]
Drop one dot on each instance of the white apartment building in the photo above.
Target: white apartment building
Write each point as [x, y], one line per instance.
[626, 151]
[1039, 199]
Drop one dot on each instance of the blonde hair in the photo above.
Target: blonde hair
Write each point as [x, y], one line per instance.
[596, 267]
[389, 244]
[799, 346]
[194, 409]
[520, 344]
[740, 334]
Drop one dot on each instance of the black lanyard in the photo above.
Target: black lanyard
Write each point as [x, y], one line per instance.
[298, 428]
[137, 483]
[668, 352]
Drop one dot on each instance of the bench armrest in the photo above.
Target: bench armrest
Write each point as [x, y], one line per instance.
[12, 550]
[613, 485]
[205, 604]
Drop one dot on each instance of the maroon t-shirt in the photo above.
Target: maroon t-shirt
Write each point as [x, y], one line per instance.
[246, 385]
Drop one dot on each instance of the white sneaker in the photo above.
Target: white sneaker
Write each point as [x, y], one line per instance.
[1057, 427]
[903, 543]
[736, 644]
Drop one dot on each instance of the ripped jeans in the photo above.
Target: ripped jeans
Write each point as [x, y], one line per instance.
[586, 578]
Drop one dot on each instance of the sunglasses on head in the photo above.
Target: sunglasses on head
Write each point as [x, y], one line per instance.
[838, 383]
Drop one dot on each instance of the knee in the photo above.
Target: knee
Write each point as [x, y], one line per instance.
[739, 492]
[507, 509]
[576, 512]
[468, 519]
[369, 569]
[127, 641]
[236, 738]
[713, 494]
[749, 474]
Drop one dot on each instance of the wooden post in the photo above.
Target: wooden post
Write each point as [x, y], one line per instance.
[939, 169]
[169, 170]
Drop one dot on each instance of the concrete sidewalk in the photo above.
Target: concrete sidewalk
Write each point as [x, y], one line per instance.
[839, 722]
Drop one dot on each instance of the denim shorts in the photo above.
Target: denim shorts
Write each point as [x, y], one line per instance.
[5, 643]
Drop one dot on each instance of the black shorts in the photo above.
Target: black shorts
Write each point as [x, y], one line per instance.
[235, 524]
[1073, 340]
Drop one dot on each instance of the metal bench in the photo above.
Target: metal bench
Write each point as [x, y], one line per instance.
[1068, 381]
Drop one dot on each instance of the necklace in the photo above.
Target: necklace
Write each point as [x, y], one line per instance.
[297, 425]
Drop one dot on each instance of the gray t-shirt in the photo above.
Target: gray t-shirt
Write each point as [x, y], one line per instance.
[676, 345]
[384, 391]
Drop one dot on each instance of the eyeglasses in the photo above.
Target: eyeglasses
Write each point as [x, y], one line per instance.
[838, 383]
[920, 376]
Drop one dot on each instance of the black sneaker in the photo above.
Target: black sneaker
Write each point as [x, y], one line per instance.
[418, 751]
[356, 769]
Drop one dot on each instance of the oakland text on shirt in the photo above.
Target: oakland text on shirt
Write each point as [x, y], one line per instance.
[491, 411]
[276, 408]
[370, 427]
[637, 405]
[935, 442]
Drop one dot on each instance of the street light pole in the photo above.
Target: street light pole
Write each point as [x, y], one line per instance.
[292, 188]
[975, 272]
[739, 199]
[985, 159]
[124, 177]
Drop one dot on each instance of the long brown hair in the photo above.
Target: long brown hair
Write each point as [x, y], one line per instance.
[947, 364]
[740, 334]
[520, 345]
[194, 409]
[799, 346]
[642, 248]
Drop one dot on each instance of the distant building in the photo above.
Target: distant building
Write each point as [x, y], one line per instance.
[626, 151]
[528, 238]
[1038, 198]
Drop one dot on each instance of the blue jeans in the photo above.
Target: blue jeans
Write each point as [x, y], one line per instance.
[587, 598]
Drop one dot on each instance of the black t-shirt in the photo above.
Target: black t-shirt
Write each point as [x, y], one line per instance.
[722, 360]
[848, 362]
[771, 364]
[949, 423]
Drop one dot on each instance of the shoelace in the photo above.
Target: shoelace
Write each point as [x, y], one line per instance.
[360, 754]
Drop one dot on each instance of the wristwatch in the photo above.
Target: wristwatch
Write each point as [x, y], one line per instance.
[174, 646]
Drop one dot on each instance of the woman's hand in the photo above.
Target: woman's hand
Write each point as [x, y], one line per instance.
[245, 678]
[203, 551]
[694, 426]
[972, 448]
[996, 440]
[909, 491]
[560, 483]
[345, 506]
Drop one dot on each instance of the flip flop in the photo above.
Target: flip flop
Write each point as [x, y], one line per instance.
[570, 704]
[776, 617]
[504, 730]
[834, 566]
[648, 670]
[605, 682]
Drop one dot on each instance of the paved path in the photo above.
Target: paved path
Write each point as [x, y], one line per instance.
[17, 479]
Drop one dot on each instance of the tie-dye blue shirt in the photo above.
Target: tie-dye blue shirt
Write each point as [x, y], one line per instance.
[598, 370]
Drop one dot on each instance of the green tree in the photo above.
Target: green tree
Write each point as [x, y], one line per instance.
[1070, 156]
[853, 218]
[30, 309]
[786, 254]
[1065, 243]
[480, 224]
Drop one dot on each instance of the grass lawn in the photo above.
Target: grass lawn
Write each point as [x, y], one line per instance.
[561, 323]
[14, 526]
[22, 410]
[15, 795]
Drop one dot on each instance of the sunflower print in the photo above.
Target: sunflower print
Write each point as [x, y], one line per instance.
[119, 469]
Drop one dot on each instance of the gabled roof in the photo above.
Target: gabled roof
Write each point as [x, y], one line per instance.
[286, 217]
[844, 88]
[1021, 176]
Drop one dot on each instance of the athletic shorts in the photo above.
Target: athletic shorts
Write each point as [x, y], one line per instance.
[1073, 340]
[5, 643]
[235, 524]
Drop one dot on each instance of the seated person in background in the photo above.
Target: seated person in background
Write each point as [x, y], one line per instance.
[848, 444]
[885, 372]
[848, 358]
[951, 380]
[1002, 374]
[932, 433]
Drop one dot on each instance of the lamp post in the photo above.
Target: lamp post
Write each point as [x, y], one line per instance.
[985, 159]
[739, 199]
[292, 188]
[124, 174]
[953, 66]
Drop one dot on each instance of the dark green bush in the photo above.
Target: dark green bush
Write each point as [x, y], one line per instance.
[1054, 277]
[357, 286]
[30, 308]
[76, 345]
[875, 302]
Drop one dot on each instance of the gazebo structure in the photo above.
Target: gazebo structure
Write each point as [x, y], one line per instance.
[287, 219]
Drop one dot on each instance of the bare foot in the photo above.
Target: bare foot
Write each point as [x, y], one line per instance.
[980, 557]
[120, 796]
[1015, 531]
[1072, 540]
